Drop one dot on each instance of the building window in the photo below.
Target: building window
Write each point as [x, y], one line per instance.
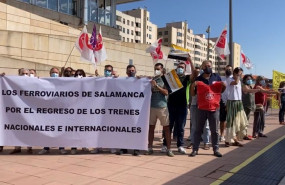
[150, 37]
[138, 33]
[128, 39]
[128, 31]
[165, 32]
[160, 33]
[124, 30]
[165, 40]
[179, 34]
[150, 28]
[132, 23]
[179, 41]
[124, 21]
[138, 25]
[132, 40]
[128, 22]
[132, 32]
[123, 39]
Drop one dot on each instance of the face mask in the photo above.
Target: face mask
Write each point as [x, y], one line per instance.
[249, 82]
[54, 75]
[262, 82]
[107, 73]
[67, 74]
[32, 75]
[208, 70]
[157, 72]
[228, 73]
[79, 76]
[26, 75]
[132, 74]
[180, 71]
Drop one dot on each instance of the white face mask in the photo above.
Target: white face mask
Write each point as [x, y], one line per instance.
[79, 76]
[157, 72]
[26, 75]
[32, 75]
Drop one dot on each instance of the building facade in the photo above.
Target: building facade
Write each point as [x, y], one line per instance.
[37, 37]
[179, 34]
[135, 24]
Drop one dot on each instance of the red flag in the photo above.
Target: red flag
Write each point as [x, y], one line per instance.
[83, 46]
[155, 50]
[221, 45]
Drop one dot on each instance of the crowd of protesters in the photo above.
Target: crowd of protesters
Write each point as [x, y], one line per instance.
[232, 98]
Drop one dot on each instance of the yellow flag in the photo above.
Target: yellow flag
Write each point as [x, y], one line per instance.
[277, 78]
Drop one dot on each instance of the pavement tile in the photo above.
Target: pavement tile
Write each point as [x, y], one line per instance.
[29, 180]
[105, 182]
[7, 176]
[166, 168]
[132, 179]
[68, 178]
[157, 174]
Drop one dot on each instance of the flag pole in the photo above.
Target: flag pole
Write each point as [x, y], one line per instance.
[69, 56]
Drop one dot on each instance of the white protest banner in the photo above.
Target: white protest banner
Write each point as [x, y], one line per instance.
[173, 80]
[74, 112]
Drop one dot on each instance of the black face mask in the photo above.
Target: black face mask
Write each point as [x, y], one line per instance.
[208, 70]
[228, 73]
[132, 74]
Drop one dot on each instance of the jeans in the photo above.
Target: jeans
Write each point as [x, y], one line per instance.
[177, 119]
[213, 117]
[281, 112]
[193, 120]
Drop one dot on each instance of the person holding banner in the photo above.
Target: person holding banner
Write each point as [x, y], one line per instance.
[260, 101]
[17, 149]
[178, 105]
[54, 72]
[208, 88]
[159, 110]
[131, 72]
[281, 102]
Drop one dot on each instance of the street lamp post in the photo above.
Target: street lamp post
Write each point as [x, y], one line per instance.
[231, 34]
[208, 51]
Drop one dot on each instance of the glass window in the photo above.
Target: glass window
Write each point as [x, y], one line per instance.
[165, 32]
[93, 10]
[25, 1]
[124, 30]
[41, 3]
[128, 31]
[66, 6]
[128, 39]
[150, 37]
[160, 33]
[132, 23]
[52, 4]
[128, 22]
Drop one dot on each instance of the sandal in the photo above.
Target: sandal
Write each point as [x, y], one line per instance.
[236, 143]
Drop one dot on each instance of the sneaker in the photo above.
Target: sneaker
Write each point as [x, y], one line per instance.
[30, 150]
[218, 154]
[62, 151]
[43, 151]
[206, 147]
[149, 151]
[73, 151]
[94, 151]
[85, 149]
[222, 139]
[163, 149]
[169, 153]
[181, 150]
[113, 150]
[136, 153]
[1, 148]
[15, 151]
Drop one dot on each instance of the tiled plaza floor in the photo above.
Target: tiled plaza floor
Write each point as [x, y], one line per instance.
[106, 168]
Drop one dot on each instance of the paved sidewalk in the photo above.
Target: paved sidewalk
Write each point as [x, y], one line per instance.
[106, 168]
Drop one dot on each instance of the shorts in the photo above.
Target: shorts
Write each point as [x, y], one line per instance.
[223, 112]
[159, 113]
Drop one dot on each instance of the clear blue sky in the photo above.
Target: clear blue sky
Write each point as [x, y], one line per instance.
[258, 25]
